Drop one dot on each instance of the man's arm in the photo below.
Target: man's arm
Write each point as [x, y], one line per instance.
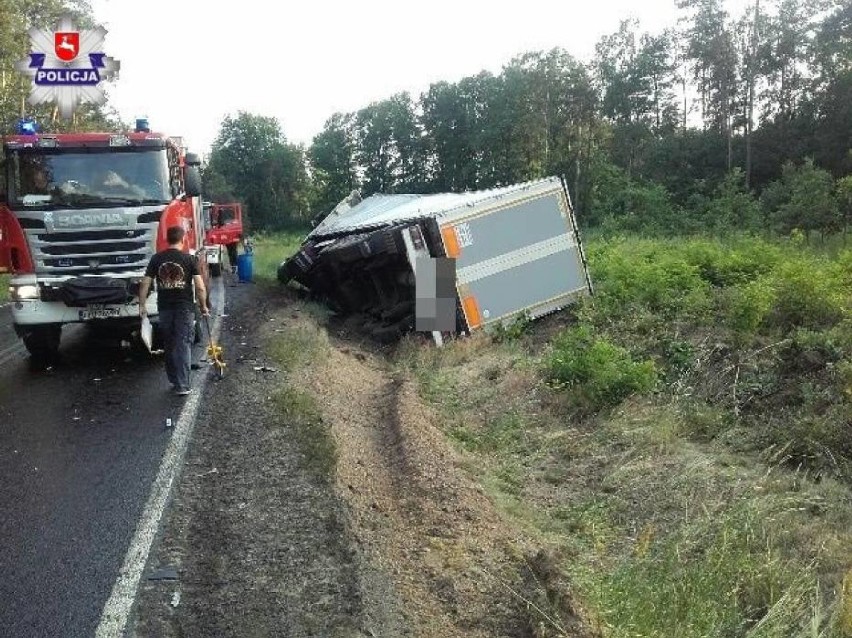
[144, 287]
[201, 294]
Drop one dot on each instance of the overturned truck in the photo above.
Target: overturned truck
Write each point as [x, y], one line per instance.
[484, 257]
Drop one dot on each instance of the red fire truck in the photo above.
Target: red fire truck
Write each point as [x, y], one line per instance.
[80, 216]
[224, 227]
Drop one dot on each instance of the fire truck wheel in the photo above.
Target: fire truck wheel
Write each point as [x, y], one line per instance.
[42, 342]
[215, 270]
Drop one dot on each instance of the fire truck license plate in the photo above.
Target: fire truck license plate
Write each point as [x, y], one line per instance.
[99, 311]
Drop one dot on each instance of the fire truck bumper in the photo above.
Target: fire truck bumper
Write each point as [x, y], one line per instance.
[75, 300]
[32, 312]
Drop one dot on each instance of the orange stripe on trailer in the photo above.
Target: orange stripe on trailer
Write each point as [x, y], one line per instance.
[471, 312]
[451, 241]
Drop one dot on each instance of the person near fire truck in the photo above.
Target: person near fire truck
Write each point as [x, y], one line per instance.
[225, 216]
[175, 273]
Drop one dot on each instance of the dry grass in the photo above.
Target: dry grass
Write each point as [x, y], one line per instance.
[661, 533]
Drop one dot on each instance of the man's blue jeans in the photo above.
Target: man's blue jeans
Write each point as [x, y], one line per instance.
[177, 325]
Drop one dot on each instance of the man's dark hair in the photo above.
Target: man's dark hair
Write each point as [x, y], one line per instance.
[175, 234]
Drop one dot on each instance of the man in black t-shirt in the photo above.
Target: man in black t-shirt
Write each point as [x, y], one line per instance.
[175, 273]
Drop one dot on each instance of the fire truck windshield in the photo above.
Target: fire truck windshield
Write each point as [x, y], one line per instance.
[42, 178]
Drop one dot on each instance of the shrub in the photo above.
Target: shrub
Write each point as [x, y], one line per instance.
[601, 372]
[729, 264]
[809, 351]
[511, 331]
[808, 294]
[745, 308]
[647, 273]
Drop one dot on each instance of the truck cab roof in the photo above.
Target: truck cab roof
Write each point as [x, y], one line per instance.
[84, 140]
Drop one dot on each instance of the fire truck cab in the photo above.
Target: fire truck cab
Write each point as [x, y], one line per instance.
[224, 227]
[80, 216]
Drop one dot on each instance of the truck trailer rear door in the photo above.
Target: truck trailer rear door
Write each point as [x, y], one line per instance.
[520, 255]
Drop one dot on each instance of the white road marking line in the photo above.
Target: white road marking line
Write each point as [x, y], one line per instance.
[116, 612]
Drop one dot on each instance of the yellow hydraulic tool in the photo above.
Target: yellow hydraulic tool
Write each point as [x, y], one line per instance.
[214, 351]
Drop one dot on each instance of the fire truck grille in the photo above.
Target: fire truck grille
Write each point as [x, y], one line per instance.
[93, 235]
[88, 249]
[111, 260]
[92, 251]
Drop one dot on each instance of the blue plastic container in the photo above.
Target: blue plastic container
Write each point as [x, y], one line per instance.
[244, 267]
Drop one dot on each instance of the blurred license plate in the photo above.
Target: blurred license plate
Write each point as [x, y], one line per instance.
[99, 311]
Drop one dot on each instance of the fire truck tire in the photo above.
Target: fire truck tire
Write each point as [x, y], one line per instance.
[42, 342]
[215, 270]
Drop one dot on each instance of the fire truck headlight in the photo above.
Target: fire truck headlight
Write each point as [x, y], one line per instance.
[21, 293]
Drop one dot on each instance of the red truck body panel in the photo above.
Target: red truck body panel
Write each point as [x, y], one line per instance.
[226, 224]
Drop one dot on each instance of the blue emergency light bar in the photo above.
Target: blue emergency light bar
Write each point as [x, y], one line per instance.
[27, 126]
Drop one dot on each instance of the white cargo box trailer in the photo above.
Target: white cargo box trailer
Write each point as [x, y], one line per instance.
[515, 251]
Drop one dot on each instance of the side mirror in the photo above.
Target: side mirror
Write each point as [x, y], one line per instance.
[192, 181]
[192, 159]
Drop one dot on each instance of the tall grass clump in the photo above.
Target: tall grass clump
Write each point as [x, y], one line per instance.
[725, 574]
[599, 372]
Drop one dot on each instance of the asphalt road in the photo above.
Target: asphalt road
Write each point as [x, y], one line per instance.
[80, 444]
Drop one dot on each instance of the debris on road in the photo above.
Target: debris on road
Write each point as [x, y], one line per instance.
[165, 573]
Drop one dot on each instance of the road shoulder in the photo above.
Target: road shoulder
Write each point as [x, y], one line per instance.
[258, 541]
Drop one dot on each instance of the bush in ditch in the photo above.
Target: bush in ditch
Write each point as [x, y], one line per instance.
[599, 372]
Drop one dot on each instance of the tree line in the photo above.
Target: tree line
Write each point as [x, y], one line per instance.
[723, 122]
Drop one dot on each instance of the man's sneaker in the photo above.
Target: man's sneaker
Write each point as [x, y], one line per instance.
[182, 392]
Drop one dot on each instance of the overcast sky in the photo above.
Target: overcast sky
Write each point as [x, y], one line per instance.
[187, 63]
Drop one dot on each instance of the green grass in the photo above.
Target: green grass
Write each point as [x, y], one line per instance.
[297, 346]
[761, 329]
[693, 461]
[293, 349]
[273, 248]
[721, 575]
[300, 412]
[4, 288]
